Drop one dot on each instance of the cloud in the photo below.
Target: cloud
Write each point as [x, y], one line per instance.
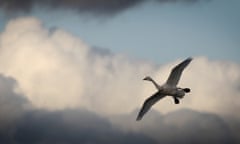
[57, 70]
[81, 126]
[72, 127]
[12, 103]
[181, 126]
[55, 88]
[12, 106]
[21, 124]
[95, 7]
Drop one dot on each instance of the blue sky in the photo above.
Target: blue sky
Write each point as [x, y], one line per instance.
[158, 32]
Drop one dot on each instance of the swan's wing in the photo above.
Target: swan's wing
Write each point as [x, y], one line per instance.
[148, 104]
[177, 71]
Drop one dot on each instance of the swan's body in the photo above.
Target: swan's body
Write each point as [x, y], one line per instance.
[168, 89]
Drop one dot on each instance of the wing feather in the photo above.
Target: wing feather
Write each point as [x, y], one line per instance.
[176, 72]
[149, 103]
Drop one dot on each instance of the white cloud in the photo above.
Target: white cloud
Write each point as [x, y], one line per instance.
[57, 70]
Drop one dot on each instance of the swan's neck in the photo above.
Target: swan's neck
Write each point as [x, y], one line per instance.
[155, 84]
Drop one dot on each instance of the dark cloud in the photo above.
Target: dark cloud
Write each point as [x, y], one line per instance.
[96, 7]
[72, 127]
[16, 5]
[11, 103]
[80, 126]
[183, 126]
[12, 107]
[186, 1]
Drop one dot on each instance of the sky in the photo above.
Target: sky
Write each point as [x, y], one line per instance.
[150, 30]
[71, 71]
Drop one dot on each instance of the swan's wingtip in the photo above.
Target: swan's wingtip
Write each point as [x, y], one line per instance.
[138, 118]
[190, 58]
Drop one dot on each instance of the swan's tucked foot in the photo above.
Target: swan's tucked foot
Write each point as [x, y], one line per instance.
[187, 90]
[176, 100]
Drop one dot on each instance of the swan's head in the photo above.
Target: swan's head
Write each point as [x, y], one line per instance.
[148, 78]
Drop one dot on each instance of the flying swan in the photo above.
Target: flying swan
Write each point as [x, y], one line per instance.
[168, 89]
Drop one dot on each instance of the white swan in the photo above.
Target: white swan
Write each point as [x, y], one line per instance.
[168, 89]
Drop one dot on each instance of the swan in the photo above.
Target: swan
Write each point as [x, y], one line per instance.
[167, 89]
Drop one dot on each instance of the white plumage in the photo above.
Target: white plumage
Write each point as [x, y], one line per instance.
[168, 89]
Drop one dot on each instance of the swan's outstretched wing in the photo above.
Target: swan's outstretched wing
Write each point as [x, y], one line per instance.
[177, 71]
[148, 104]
